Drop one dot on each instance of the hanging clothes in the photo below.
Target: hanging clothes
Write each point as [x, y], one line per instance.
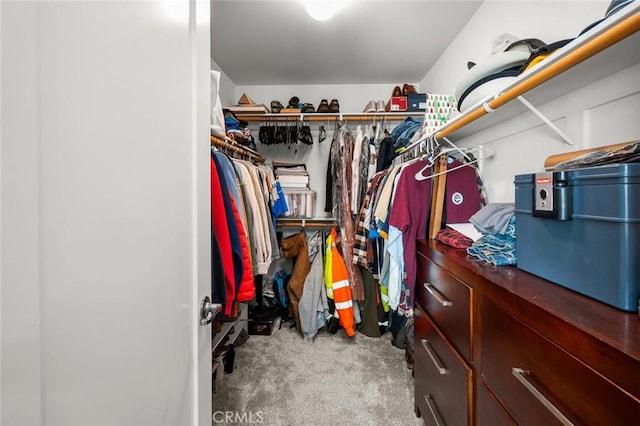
[333, 169]
[218, 290]
[221, 229]
[313, 307]
[328, 266]
[225, 167]
[341, 289]
[245, 288]
[344, 215]
[383, 202]
[295, 247]
[261, 250]
[262, 217]
[462, 196]
[386, 153]
[355, 169]
[265, 189]
[372, 300]
[362, 240]
[410, 214]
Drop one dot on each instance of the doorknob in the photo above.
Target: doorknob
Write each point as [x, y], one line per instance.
[208, 310]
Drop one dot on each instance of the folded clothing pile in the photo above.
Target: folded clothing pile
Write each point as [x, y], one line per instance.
[406, 132]
[629, 153]
[453, 238]
[238, 129]
[291, 175]
[497, 223]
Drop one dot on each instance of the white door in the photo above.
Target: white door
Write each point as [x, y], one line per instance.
[104, 224]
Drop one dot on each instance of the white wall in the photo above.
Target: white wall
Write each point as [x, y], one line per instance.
[602, 113]
[227, 87]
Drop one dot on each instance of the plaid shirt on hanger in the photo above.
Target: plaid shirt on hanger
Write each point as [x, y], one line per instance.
[360, 247]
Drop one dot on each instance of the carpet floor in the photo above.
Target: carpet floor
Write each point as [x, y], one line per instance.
[333, 380]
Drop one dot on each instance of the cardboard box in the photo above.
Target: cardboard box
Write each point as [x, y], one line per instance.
[398, 103]
[417, 102]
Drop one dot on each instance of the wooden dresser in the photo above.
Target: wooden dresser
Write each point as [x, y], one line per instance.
[499, 346]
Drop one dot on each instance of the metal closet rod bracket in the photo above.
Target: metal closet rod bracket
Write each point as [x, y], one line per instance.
[546, 121]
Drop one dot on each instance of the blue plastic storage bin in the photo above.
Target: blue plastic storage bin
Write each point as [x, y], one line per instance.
[594, 247]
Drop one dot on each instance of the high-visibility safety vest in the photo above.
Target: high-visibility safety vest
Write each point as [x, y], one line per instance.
[341, 289]
[328, 265]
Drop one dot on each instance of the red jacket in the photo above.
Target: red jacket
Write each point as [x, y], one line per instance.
[247, 290]
[221, 229]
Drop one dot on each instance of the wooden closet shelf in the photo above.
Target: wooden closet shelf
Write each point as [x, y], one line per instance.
[393, 116]
[327, 222]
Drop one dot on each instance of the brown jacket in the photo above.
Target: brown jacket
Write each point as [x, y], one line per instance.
[295, 247]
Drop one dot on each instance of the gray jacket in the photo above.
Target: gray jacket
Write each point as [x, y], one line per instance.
[313, 307]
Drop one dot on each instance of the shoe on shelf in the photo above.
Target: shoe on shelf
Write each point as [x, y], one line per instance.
[294, 102]
[370, 107]
[380, 106]
[334, 106]
[308, 108]
[276, 106]
[396, 92]
[324, 106]
[408, 89]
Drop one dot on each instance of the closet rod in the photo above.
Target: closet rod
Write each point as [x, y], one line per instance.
[231, 145]
[330, 117]
[311, 223]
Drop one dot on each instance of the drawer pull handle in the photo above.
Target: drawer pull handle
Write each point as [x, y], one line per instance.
[436, 295]
[434, 410]
[521, 375]
[433, 356]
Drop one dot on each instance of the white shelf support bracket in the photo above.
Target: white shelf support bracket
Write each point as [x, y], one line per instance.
[546, 121]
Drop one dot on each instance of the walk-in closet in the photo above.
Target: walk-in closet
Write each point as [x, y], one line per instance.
[402, 168]
[308, 212]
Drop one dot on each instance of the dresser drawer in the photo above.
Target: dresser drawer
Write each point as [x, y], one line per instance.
[489, 411]
[442, 379]
[541, 384]
[447, 301]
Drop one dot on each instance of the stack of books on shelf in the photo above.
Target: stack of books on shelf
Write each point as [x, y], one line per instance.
[294, 181]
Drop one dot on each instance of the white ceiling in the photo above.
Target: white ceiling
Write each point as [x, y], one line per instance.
[276, 43]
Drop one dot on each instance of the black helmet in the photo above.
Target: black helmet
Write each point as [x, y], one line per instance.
[615, 6]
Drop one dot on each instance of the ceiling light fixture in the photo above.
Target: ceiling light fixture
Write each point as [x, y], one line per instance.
[323, 10]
